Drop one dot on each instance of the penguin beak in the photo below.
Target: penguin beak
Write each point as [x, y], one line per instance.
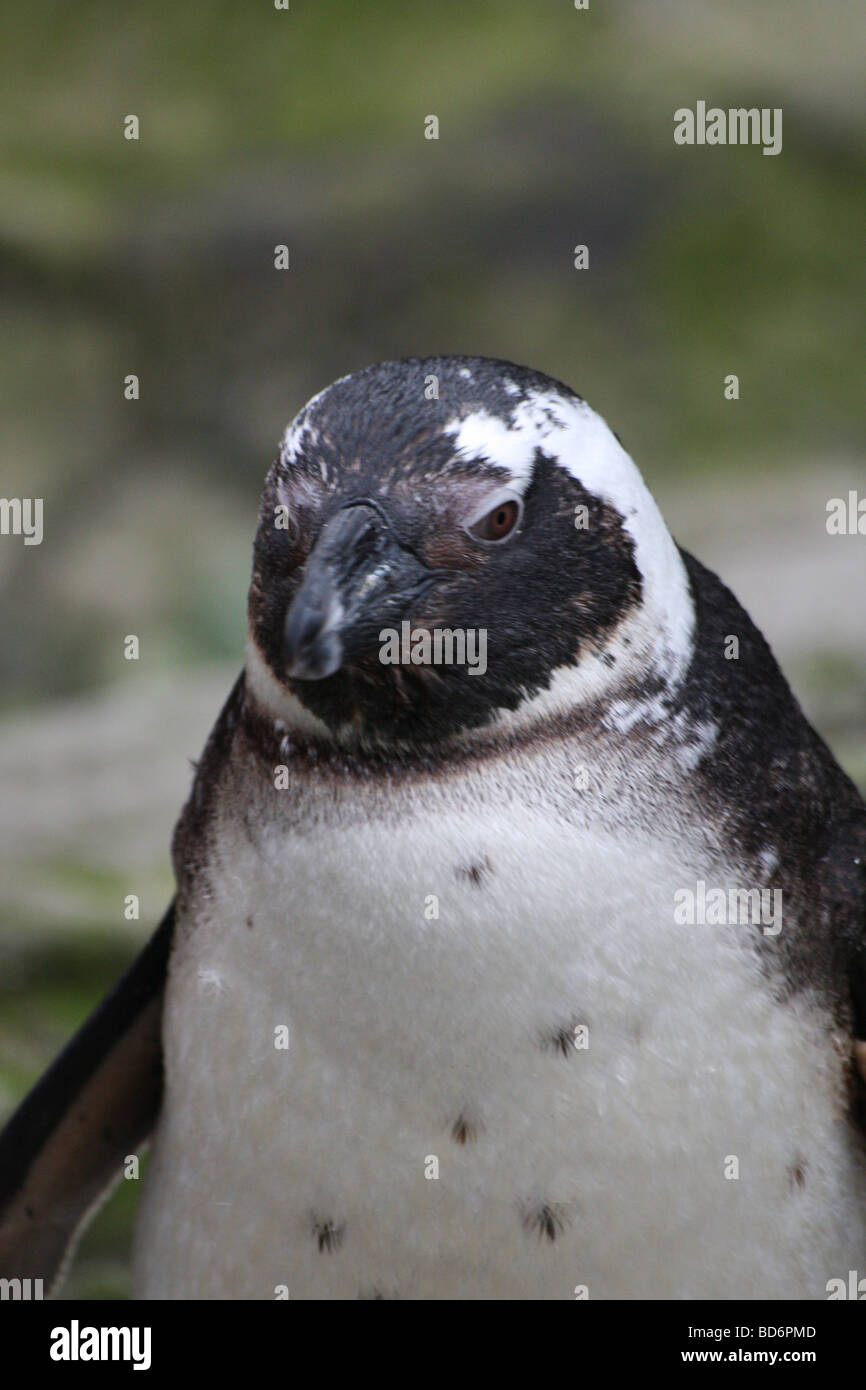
[357, 580]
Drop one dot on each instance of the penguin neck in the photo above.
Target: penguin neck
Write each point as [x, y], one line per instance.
[597, 697]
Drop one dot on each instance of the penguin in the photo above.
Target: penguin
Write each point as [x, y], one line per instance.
[518, 943]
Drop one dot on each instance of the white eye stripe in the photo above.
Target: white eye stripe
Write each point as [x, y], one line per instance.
[484, 436]
[577, 440]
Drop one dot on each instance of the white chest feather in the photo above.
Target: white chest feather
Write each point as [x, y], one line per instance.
[432, 1130]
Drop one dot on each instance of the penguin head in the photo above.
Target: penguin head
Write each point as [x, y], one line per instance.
[452, 542]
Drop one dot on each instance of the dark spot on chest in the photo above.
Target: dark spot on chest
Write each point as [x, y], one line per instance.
[797, 1175]
[328, 1233]
[560, 1038]
[546, 1220]
[464, 1129]
[474, 872]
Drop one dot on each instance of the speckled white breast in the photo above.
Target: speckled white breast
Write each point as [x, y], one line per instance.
[431, 1131]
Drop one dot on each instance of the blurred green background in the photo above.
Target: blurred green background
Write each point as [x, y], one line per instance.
[306, 127]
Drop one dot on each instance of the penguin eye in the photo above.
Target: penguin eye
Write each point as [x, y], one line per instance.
[499, 523]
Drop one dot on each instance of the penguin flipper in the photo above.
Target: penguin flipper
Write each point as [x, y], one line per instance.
[64, 1146]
